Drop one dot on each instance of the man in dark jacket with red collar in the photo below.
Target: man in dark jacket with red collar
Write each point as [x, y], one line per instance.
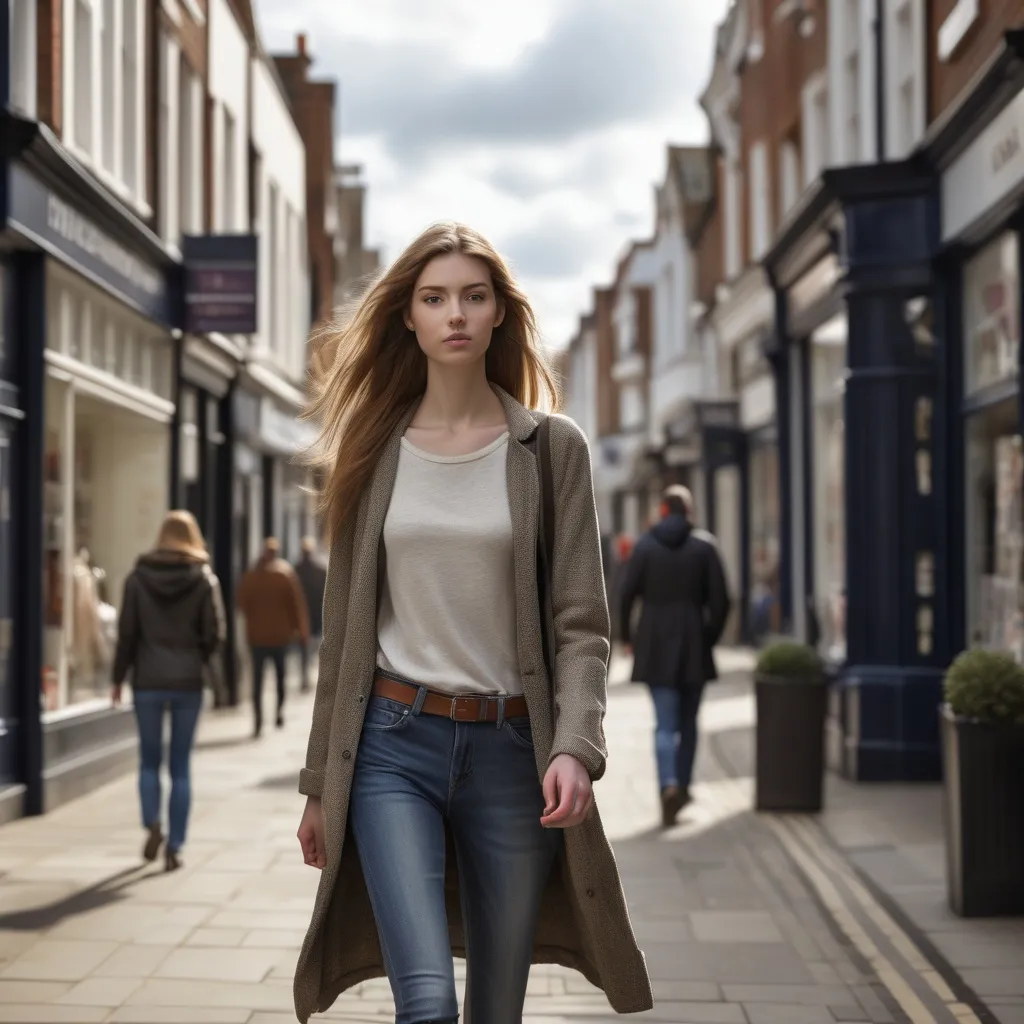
[676, 571]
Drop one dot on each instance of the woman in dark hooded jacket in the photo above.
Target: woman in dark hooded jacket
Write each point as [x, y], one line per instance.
[172, 624]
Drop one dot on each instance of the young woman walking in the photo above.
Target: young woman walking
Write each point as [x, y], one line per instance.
[448, 778]
[171, 625]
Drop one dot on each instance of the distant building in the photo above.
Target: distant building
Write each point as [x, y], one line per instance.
[355, 263]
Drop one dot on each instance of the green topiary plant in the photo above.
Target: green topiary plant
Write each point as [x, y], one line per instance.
[787, 659]
[986, 686]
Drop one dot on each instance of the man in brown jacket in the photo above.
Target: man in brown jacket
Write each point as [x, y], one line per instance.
[271, 599]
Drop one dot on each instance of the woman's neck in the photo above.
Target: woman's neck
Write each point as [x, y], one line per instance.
[456, 399]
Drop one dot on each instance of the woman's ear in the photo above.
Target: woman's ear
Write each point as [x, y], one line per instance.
[500, 318]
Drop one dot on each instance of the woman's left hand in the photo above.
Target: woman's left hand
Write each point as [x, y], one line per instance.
[568, 793]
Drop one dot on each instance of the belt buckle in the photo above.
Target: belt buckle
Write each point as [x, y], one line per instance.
[467, 702]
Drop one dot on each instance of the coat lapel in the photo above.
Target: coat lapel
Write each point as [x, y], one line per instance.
[368, 558]
[524, 505]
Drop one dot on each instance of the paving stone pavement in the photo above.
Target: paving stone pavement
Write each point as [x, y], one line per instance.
[731, 930]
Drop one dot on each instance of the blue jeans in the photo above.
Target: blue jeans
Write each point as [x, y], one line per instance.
[414, 773]
[184, 707]
[675, 732]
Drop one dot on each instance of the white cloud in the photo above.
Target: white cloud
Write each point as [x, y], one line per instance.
[543, 123]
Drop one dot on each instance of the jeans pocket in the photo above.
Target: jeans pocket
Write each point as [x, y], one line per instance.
[520, 732]
[383, 715]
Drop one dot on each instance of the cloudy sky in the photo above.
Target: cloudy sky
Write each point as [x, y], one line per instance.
[542, 123]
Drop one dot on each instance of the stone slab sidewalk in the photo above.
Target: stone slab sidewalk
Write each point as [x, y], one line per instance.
[731, 929]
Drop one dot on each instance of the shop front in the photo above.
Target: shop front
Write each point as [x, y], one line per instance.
[982, 206]
[92, 307]
[864, 549]
[11, 417]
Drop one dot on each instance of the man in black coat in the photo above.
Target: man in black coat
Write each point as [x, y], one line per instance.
[676, 571]
[312, 574]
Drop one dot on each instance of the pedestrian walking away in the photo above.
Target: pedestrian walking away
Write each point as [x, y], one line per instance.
[270, 598]
[458, 718]
[312, 574]
[171, 628]
[676, 572]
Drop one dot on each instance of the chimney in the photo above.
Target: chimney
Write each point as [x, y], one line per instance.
[300, 41]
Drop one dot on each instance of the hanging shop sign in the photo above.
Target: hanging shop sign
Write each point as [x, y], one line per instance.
[221, 274]
[73, 237]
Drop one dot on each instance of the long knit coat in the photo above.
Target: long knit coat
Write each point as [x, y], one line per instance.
[584, 923]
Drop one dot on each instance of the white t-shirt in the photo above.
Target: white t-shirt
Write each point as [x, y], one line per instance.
[447, 614]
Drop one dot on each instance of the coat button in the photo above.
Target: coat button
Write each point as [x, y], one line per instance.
[346, 755]
[590, 893]
[361, 698]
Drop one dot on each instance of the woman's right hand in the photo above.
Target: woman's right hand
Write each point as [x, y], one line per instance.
[311, 834]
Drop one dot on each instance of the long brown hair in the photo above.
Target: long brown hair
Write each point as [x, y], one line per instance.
[367, 367]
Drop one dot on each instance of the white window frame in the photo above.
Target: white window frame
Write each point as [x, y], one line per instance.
[24, 56]
[816, 121]
[906, 59]
[790, 185]
[170, 67]
[85, 113]
[229, 195]
[760, 200]
[733, 216]
[190, 195]
[852, 99]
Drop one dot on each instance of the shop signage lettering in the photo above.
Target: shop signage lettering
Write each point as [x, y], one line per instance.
[221, 272]
[1005, 150]
[70, 225]
[70, 235]
[987, 172]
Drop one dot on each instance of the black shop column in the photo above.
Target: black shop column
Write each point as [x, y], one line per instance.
[896, 628]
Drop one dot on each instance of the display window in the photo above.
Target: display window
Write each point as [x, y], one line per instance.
[991, 284]
[995, 530]
[764, 511]
[994, 463]
[828, 369]
[106, 478]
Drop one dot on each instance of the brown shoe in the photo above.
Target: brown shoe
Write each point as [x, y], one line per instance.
[154, 841]
[173, 861]
[672, 802]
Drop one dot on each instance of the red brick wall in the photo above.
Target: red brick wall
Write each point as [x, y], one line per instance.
[312, 105]
[950, 79]
[49, 25]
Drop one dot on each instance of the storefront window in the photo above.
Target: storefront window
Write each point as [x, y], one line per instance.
[827, 383]
[992, 452]
[763, 472]
[995, 537]
[992, 314]
[105, 494]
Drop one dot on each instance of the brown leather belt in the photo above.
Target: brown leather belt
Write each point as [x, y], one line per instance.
[468, 708]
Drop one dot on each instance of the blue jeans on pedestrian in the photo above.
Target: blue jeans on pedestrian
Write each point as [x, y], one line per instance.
[675, 732]
[184, 707]
[415, 773]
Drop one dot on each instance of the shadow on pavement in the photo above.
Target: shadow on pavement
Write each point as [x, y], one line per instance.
[107, 891]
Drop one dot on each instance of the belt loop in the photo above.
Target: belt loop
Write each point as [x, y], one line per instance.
[421, 696]
[501, 712]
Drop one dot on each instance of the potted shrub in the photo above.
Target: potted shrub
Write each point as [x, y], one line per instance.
[792, 696]
[982, 723]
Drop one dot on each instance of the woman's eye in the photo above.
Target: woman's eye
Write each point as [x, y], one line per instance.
[480, 297]
[432, 300]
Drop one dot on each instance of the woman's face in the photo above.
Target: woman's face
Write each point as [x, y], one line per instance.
[454, 309]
